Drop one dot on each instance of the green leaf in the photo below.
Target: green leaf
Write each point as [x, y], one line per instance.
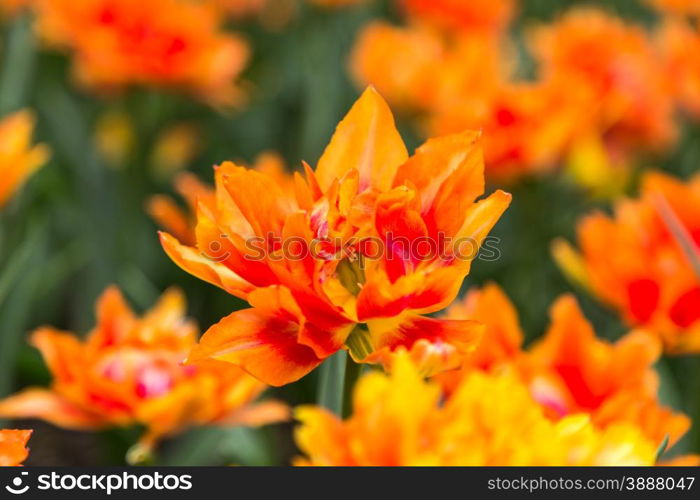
[18, 65]
[662, 448]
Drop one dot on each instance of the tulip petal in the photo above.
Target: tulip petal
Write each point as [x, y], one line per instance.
[192, 261]
[366, 140]
[481, 218]
[62, 352]
[449, 174]
[13, 447]
[259, 198]
[263, 413]
[262, 340]
[46, 405]
[407, 330]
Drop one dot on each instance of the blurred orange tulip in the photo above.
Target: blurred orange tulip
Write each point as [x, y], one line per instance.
[13, 447]
[18, 158]
[471, 15]
[527, 126]
[129, 371]
[570, 370]
[631, 105]
[679, 42]
[645, 261]
[681, 7]
[400, 420]
[371, 238]
[170, 43]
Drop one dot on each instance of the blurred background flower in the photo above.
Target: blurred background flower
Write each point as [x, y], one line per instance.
[129, 370]
[18, 158]
[13, 447]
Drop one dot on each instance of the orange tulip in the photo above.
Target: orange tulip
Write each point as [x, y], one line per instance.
[572, 371]
[645, 261]
[468, 15]
[421, 69]
[527, 126]
[18, 158]
[569, 370]
[166, 43]
[129, 371]
[400, 62]
[492, 420]
[13, 447]
[681, 7]
[371, 238]
[679, 42]
[631, 105]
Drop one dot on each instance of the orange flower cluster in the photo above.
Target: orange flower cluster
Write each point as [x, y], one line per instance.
[601, 95]
[18, 158]
[682, 7]
[168, 43]
[571, 371]
[129, 371]
[351, 258]
[461, 14]
[645, 261]
[399, 420]
[631, 104]
[678, 42]
[13, 447]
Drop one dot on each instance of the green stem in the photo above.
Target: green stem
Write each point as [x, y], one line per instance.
[352, 374]
[331, 380]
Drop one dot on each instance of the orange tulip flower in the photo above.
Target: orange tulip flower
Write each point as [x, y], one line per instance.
[680, 7]
[679, 42]
[645, 261]
[165, 43]
[631, 105]
[422, 69]
[569, 370]
[18, 158]
[129, 371]
[371, 238]
[527, 126]
[572, 371]
[492, 420]
[468, 15]
[400, 62]
[13, 447]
